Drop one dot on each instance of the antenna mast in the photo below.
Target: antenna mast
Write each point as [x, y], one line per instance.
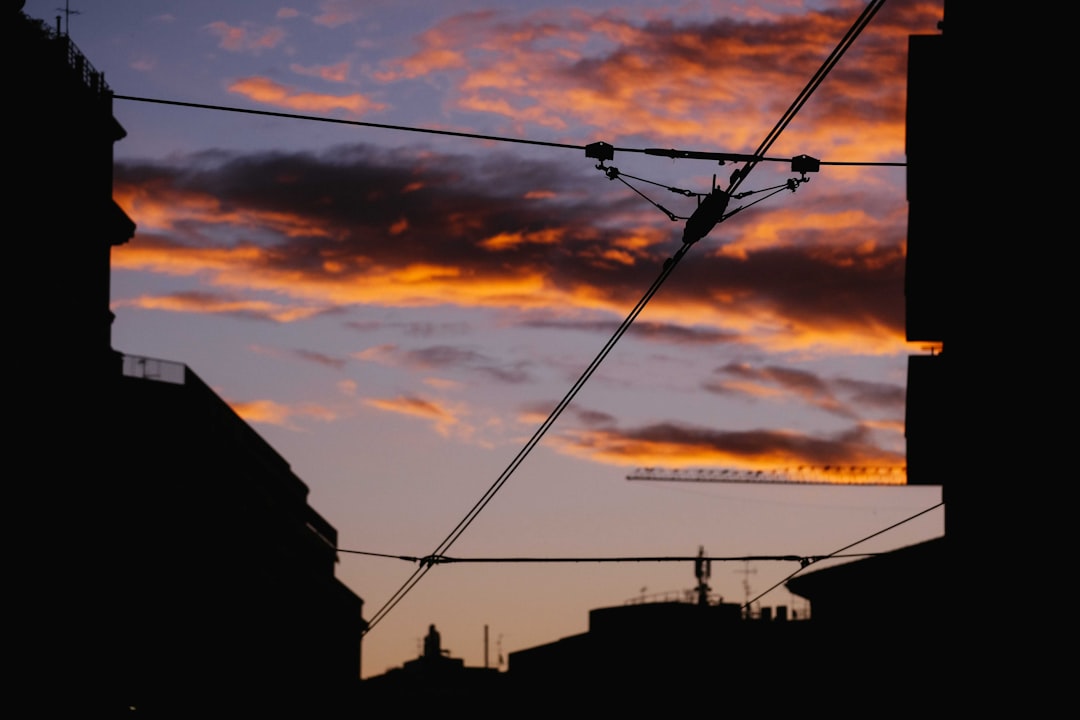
[747, 572]
[703, 571]
[68, 12]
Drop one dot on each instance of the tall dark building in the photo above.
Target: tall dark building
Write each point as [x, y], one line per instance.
[168, 561]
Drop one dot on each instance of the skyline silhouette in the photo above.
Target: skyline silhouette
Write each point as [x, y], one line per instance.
[394, 315]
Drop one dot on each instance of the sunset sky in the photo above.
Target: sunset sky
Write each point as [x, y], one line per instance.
[398, 312]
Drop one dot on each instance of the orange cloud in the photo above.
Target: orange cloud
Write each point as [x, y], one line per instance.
[445, 419]
[331, 73]
[205, 303]
[159, 208]
[263, 411]
[442, 48]
[245, 38]
[251, 268]
[754, 389]
[722, 82]
[504, 241]
[280, 227]
[441, 383]
[783, 227]
[334, 13]
[269, 412]
[268, 92]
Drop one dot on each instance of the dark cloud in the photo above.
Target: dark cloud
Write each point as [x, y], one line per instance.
[790, 382]
[516, 374]
[791, 378]
[826, 287]
[750, 446]
[321, 358]
[664, 332]
[823, 393]
[448, 357]
[357, 207]
[441, 356]
[886, 396]
[414, 329]
[594, 418]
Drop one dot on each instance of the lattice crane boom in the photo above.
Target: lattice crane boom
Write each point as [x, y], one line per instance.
[800, 475]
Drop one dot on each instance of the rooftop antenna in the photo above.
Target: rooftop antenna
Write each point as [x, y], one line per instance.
[68, 12]
[703, 571]
[747, 572]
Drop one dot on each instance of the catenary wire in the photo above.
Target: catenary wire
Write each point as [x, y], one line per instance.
[453, 133]
[451, 538]
[836, 553]
[853, 32]
[460, 528]
[446, 560]
[668, 266]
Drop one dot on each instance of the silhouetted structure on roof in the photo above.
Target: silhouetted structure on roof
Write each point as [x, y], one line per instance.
[183, 572]
[437, 682]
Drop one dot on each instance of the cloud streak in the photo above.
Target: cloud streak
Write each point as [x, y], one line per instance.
[327, 230]
[786, 384]
[677, 445]
[270, 412]
[269, 92]
[677, 79]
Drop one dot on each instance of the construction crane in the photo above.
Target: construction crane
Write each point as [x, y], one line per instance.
[801, 475]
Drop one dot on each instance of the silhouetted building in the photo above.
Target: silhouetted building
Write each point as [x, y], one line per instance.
[878, 590]
[172, 564]
[933, 261]
[439, 683]
[217, 552]
[638, 658]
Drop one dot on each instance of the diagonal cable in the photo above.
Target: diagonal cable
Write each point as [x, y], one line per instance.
[456, 533]
[830, 62]
[836, 553]
[460, 528]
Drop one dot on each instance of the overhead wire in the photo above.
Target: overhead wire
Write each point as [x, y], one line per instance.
[447, 560]
[480, 504]
[830, 62]
[685, 154]
[668, 267]
[805, 561]
[751, 162]
[836, 553]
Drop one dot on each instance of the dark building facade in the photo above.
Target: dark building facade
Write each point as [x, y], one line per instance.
[221, 558]
[681, 657]
[172, 565]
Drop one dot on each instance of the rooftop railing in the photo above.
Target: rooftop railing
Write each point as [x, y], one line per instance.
[91, 78]
[153, 369]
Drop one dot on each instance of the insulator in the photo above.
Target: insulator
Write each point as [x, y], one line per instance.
[708, 213]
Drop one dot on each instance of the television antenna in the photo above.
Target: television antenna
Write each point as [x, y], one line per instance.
[68, 12]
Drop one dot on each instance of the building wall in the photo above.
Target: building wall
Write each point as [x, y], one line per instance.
[221, 557]
[167, 558]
